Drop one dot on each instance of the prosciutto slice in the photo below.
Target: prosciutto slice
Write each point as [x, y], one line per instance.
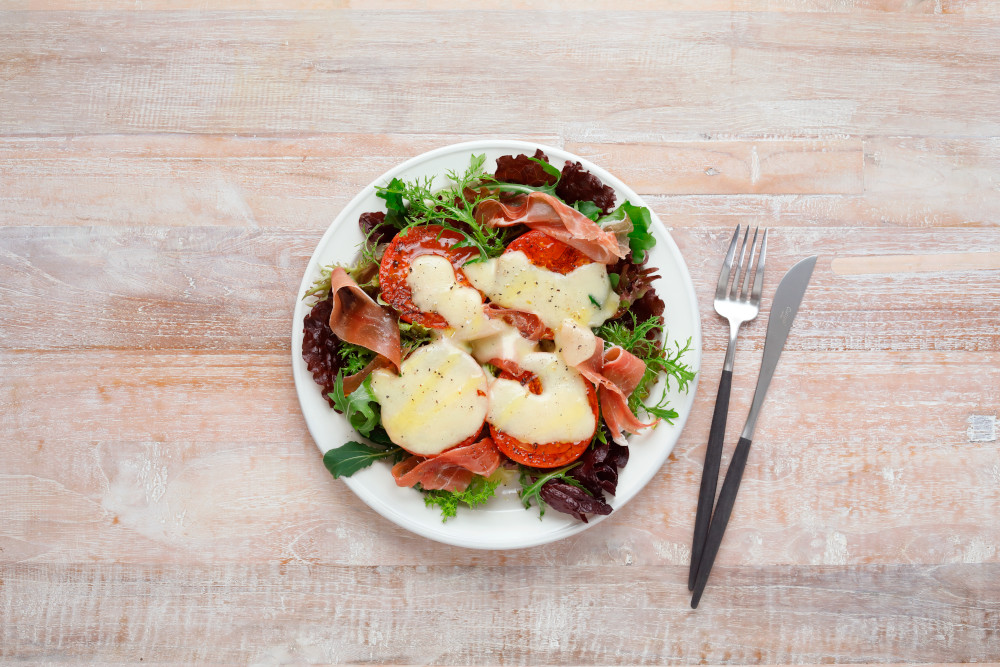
[451, 470]
[529, 324]
[356, 318]
[551, 216]
[352, 382]
[616, 372]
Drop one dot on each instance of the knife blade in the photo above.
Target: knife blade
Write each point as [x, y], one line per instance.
[784, 307]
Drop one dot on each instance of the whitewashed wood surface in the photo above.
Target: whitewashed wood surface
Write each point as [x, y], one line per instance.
[166, 171]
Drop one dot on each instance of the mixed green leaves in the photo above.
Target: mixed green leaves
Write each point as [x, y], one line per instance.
[532, 483]
[479, 491]
[643, 339]
[360, 407]
[364, 414]
[640, 239]
[321, 286]
[354, 357]
[417, 202]
[364, 272]
[413, 336]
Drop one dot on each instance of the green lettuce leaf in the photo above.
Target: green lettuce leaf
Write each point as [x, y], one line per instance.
[353, 456]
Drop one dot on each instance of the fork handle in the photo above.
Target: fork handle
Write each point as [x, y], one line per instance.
[710, 474]
[727, 499]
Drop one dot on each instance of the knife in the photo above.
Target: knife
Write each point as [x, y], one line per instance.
[783, 309]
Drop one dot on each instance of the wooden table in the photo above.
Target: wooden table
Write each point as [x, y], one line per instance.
[164, 176]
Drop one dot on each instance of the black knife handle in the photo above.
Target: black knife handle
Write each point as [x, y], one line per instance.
[710, 473]
[724, 508]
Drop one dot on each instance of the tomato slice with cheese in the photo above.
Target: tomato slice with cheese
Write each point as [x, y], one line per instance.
[548, 253]
[397, 264]
[545, 399]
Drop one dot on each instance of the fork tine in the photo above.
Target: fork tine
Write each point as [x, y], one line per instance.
[739, 270]
[758, 281]
[745, 291]
[720, 291]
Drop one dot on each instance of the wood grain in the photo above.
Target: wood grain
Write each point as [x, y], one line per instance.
[854, 7]
[680, 76]
[168, 166]
[180, 180]
[233, 288]
[144, 432]
[600, 614]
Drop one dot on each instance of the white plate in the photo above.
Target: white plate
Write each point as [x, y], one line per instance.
[502, 523]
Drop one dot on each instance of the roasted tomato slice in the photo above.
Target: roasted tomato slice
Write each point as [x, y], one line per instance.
[417, 241]
[547, 455]
[548, 253]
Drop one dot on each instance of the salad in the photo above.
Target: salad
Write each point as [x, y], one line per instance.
[503, 329]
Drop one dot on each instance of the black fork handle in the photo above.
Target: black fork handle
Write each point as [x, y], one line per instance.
[710, 474]
[724, 509]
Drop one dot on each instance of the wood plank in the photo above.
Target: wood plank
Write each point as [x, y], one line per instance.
[181, 180]
[734, 167]
[909, 182]
[147, 458]
[856, 7]
[755, 75]
[221, 288]
[541, 614]
[185, 180]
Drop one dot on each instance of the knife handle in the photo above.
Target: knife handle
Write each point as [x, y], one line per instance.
[724, 508]
[710, 473]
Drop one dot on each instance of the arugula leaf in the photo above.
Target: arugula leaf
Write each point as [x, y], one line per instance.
[353, 456]
[360, 408]
[480, 490]
[640, 239]
[588, 208]
[531, 486]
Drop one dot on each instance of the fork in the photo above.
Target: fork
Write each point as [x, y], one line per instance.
[738, 304]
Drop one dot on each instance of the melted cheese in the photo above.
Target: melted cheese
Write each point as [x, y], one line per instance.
[434, 289]
[507, 344]
[574, 343]
[512, 281]
[438, 400]
[561, 413]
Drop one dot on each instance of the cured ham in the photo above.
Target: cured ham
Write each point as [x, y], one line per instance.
[512, 371]
[616, 372]
[451, 470]
[528, 324]
[619, 371]
[547, 214]
[352, 382]
[356, 318]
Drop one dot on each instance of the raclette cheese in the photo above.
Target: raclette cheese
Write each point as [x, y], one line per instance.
[583, 295]
[561, 413]
[438, 400]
